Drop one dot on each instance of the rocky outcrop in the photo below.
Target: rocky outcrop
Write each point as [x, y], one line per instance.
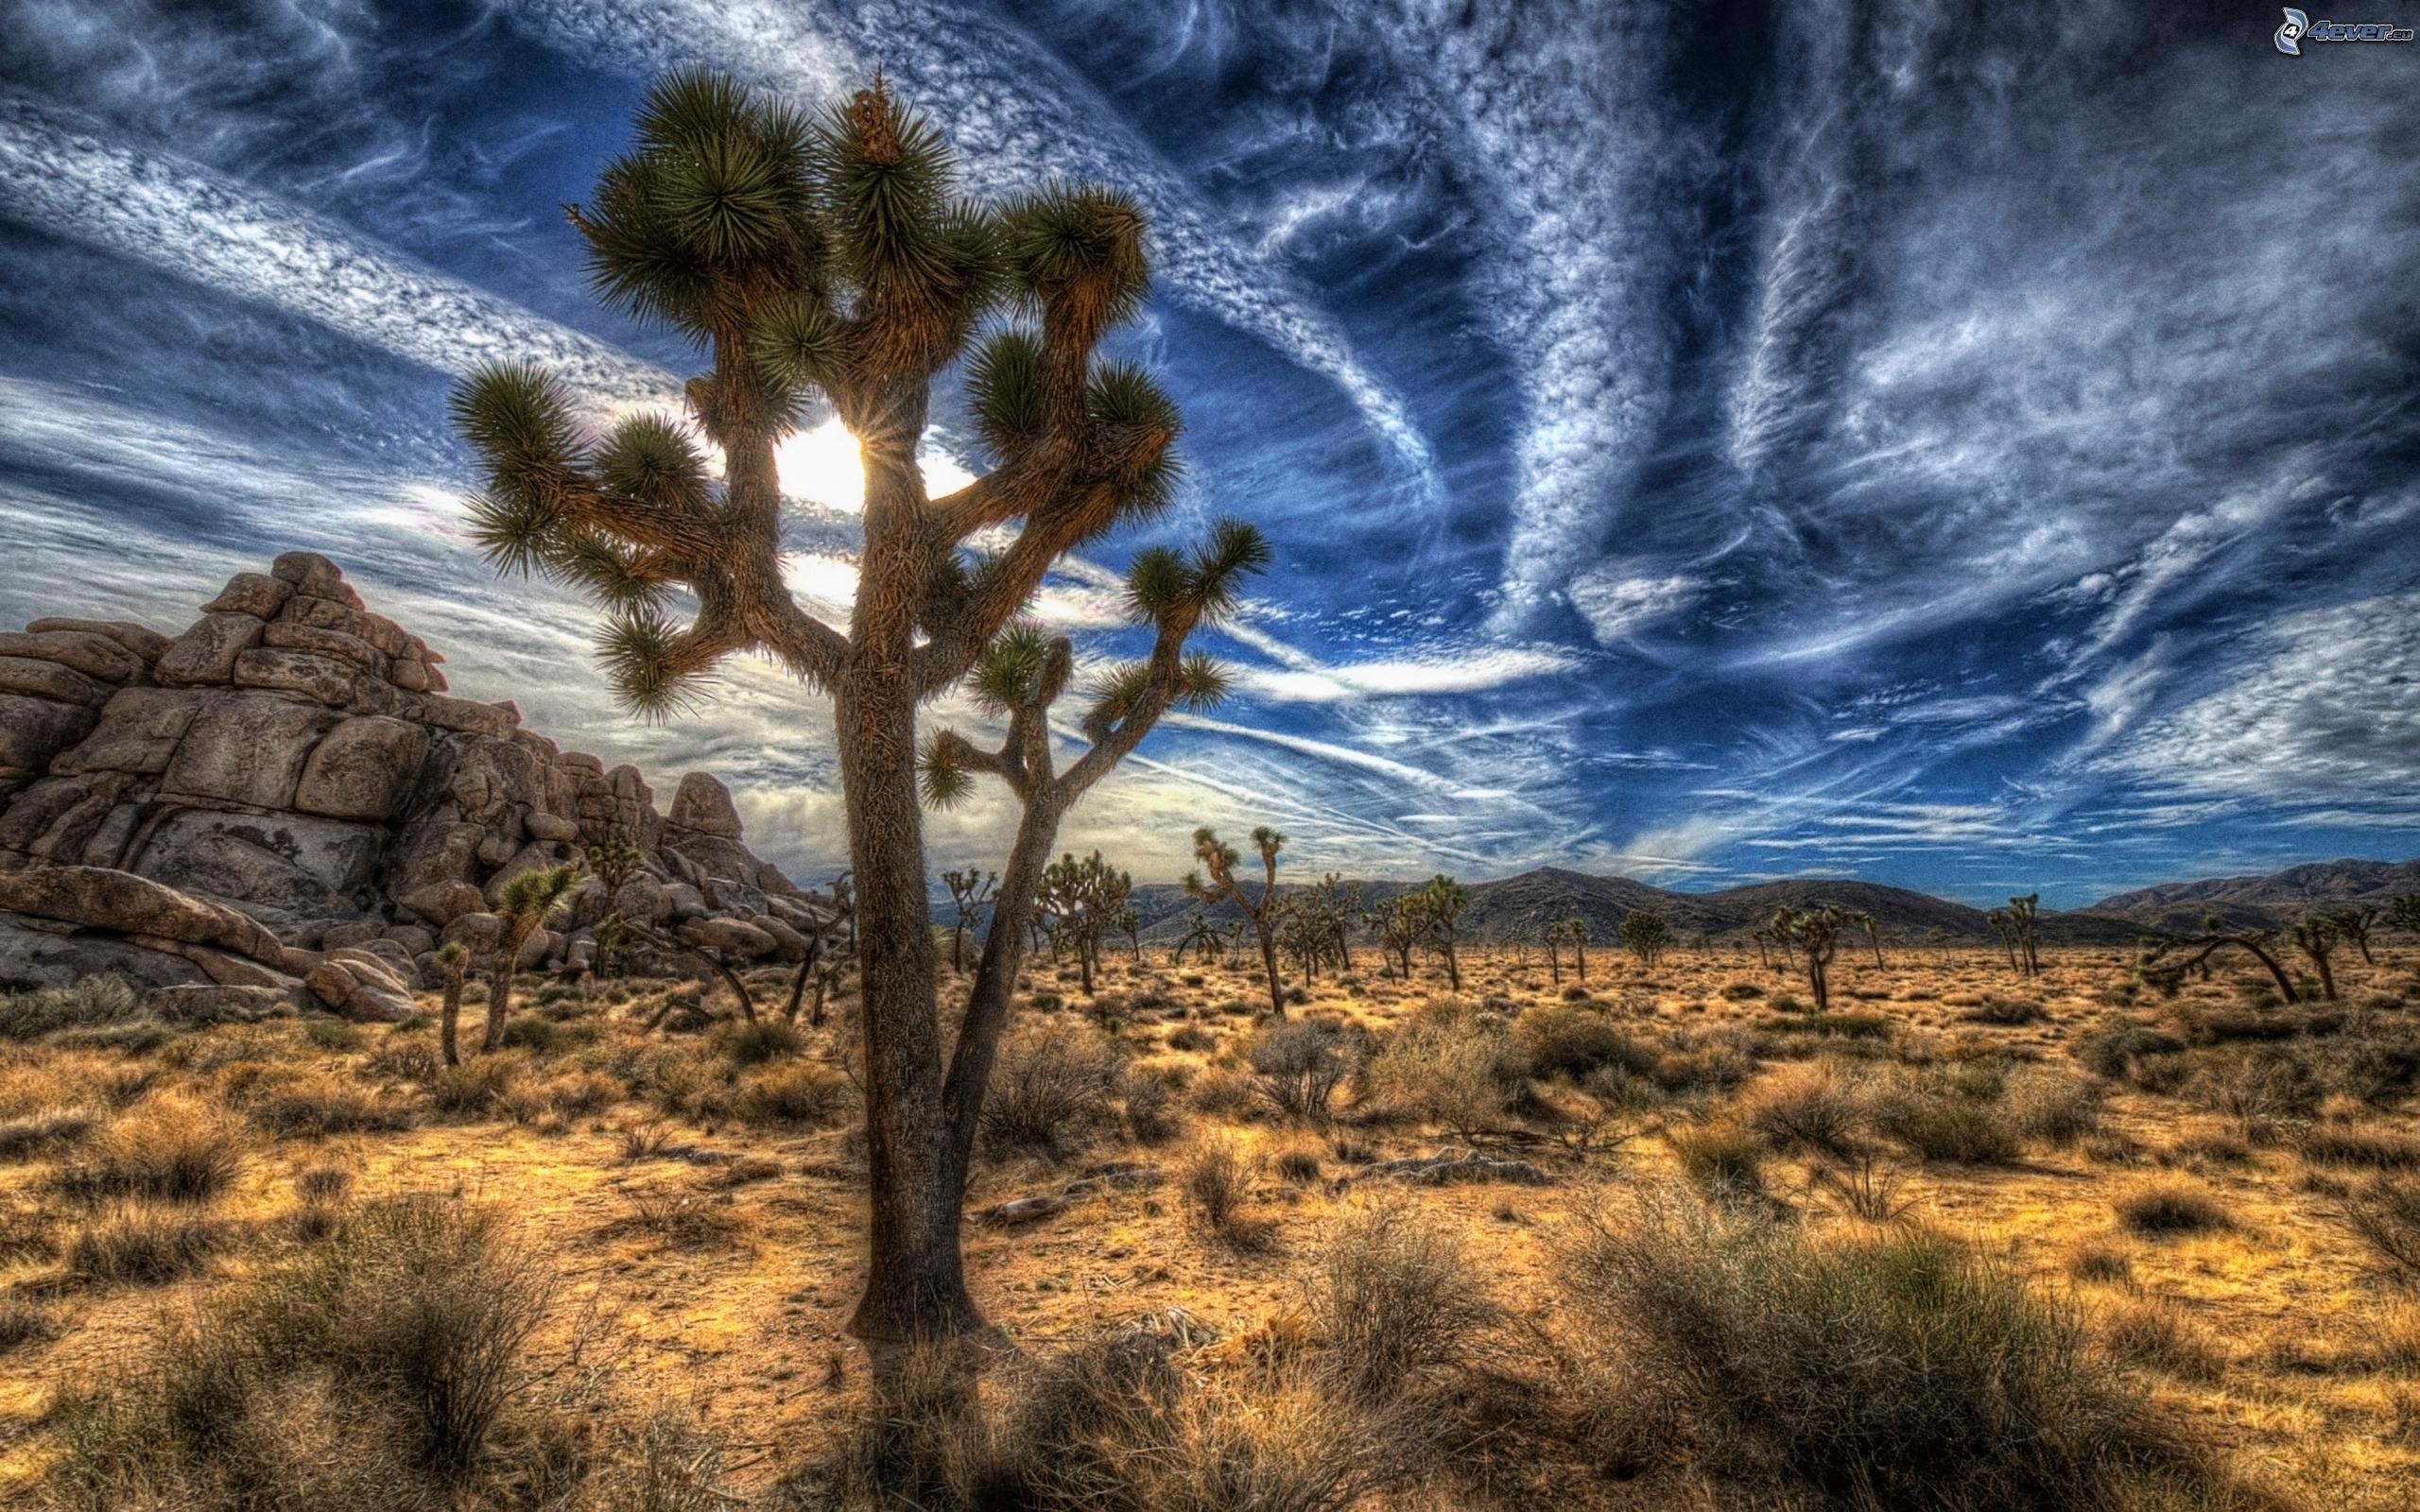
[286, 795]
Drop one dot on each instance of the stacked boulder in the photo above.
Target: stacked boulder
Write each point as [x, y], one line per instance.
[285, 798]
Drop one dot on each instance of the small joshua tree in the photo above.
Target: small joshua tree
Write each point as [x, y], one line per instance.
[1214, 882]
[837, 260]
[968, 892]
[1439, 909]
[2024, 917]
[525, 904]
[2403, 912]
[1873, 932]
[1398, 925]
[1082, 900]
[452, 960]
[1198, 931]
[613, 862]
[1813, 935]
[1576, 929]
[2357, 923]
[2316, 937]
[1647, 934]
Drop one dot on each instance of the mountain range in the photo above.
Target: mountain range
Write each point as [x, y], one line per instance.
[1517, 907]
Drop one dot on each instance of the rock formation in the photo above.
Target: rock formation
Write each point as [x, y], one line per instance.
[284, 798]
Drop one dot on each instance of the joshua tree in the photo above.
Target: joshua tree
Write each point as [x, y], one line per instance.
[2355, 924]
[1439, 909]
[1553, 937]
[2023, 915]
[1647, 934]
[1327, 910]
[525, 904]
[836, 261]
[453, 959]
[1873, 934]
[2202, 945]
[1763, 937]
[1082, 900]
[1398, 925]
[2316, 937]
[1198, 931]
[1814, 936]
[2403, 912]
[613, 862]
[1219, 860]
[1576, 929]
[968, 892]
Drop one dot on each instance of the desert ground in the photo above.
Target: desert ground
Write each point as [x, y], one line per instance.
[2210, 1200]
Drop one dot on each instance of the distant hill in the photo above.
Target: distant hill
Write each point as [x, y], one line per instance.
[2261, 903]
[1517, 907]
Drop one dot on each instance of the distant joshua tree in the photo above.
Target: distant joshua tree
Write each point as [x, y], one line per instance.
[1082, 900]
[1219, 860]
[1813, 935]
[525, 904]
[1439, 909]
[2357, 923]
[2167, 976]
[1647, 934]
[969, 891]
[1398, 925]
[2316, 937]
[838, 260]
[1198, 931]
[2024, 918]
[2403, 912]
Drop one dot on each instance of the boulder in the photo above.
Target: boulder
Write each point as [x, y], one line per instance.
[138, 733]
[442, 902]
[247, 748]
[33, 950]
[540, 947]
[146, 643]
[643, 900]
[733, 936]
[99, 898]
[475, 932]
[687, 901]
[788, 943]
[295, 865]
[94, 654]
[210, 1003]
[34, 729]
[703, 804]
[255, 593]
[321, 680]
[313, 574]
[205, 654]
[362, 769]
[48, 679]
[549, 827]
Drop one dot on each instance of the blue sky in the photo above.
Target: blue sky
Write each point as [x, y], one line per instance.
[1971, 447]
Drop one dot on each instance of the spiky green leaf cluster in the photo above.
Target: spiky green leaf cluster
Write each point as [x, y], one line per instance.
[1078, 249]
[1004, 384]
[1200, 587]
[941, 778]
[635, 652]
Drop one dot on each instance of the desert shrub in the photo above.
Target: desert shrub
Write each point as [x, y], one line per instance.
[1222, 1093]
[2253, 1088]
[1298, 1165]
[1191, 1037]
[1994, 1008]
[315, 1106]
[1705, 1060]
[1947, 1114]
[367, 1371]
[476, 1086]
[168, 1152]
[145, 1246]
[2376, 1149]
[682, 1083]
[802, 1092]
[680, 1220]
[1739, 991]
[1567, 1041]
[2114, 1048]
[332, 1032]
[44, 1133]
[1148, 1106]
[2151, 1334]
[1391, 1296]
[2384, 1213]
[753, 1044]
[1216, 1176]
[1052, 1085]
[1299, 1063]
[403, 1061]
[23, 1322]
[1861, 1026]
[2100, 1261]
[1722, 1158]
[1889, 1369]
[93, 1003]
[1446, 1064]
[2170, 1207]
[323, 1184]
[2055, 1107]
[1815, 1105]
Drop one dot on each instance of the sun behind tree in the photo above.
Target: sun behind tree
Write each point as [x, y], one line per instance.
[834, 259]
